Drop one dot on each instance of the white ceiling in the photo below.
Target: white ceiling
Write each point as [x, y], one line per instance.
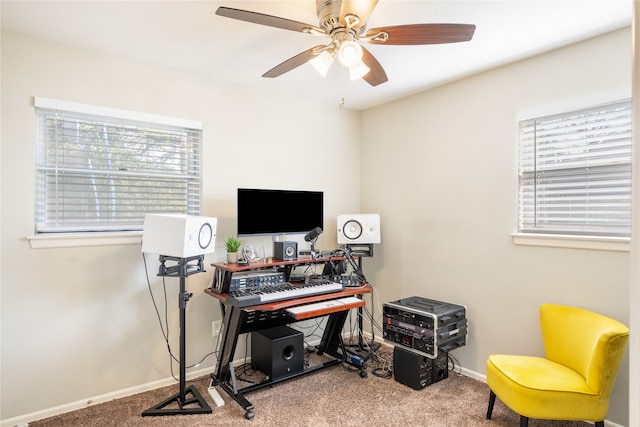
[189, 35]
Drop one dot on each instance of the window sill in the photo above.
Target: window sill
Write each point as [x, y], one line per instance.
[620, 244]
[69, 240]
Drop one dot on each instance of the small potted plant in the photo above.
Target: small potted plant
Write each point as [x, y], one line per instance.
[232, 245]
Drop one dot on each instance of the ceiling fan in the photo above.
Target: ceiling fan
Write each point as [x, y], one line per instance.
[344, 23]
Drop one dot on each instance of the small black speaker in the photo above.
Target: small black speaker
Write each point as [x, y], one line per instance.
[417, 371]
[285, 251]
[278, 352]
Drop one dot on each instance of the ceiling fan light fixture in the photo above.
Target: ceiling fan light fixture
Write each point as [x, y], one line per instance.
[345, 22]
[358, 71]
[322, 62]
[350, 53]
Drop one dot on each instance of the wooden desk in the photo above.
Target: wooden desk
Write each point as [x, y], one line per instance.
[248, 319]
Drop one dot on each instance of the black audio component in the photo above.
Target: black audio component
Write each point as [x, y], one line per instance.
[277, 352]
[254, 279]
[225, 281]
[425, 325]
[347, 280]
[285, 251]
[418, 371]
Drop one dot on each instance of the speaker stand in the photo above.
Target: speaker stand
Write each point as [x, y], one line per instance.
[180, 404]
[362, 351]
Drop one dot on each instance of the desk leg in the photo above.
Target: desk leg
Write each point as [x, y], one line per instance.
[232, 323]
[331, 338]
[242, 401]
[231, 329]
[331, 341]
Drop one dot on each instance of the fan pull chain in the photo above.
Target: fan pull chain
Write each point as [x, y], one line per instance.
[341, 88]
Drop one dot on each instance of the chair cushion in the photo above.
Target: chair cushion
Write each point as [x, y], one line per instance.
[539, 388]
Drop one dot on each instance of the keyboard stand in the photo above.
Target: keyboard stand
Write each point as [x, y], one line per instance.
[239, 321]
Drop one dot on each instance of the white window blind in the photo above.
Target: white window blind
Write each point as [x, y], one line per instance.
[102, 169]
[575, 172]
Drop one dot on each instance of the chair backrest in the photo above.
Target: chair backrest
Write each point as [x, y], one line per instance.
[586, 342]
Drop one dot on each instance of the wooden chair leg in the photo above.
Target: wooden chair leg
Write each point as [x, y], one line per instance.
[524, 421]
[492, 401]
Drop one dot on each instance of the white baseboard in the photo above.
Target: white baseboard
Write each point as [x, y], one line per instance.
[23, 420]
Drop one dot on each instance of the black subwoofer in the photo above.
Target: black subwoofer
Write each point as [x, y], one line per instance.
[278, 352]
[417, 371]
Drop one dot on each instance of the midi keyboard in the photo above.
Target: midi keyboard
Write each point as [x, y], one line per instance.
[281, 292]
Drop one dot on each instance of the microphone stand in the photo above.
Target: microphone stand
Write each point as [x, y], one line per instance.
[314, 255]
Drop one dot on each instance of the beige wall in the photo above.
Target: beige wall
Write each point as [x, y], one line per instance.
[444, 179]
[78, 322]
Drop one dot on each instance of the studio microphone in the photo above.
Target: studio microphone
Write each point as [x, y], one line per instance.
[313, 234]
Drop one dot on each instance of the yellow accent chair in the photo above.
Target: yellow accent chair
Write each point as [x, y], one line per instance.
[574, 381]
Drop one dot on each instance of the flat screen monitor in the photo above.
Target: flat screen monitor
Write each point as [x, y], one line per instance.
[275, 212]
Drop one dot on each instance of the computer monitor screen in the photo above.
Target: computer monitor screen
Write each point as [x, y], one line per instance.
[278, 212]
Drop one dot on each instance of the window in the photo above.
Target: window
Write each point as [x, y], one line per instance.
[101, 169]
[575, 172]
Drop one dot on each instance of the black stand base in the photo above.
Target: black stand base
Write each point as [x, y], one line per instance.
[182, 405]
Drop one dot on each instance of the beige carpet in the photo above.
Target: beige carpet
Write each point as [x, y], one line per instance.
[336, 396]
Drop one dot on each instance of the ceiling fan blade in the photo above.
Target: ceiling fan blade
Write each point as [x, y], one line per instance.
[376, 74]
[360, 8]
[262, 19]
[292, 63]
[423, 34]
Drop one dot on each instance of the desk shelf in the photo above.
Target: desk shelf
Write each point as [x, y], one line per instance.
[280, 305]
[224, 271]
[274, 263]
[327, 310]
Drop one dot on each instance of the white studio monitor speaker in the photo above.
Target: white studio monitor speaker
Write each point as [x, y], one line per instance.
[180, 236]
[357, 229]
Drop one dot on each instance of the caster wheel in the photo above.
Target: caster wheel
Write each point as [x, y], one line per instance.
[363, 374]
[248, 415]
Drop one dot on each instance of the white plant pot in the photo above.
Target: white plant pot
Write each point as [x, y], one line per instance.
[232, 257]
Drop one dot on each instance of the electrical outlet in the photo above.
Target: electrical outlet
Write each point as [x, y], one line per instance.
[215, 327]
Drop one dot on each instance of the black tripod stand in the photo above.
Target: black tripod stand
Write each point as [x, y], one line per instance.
[180, 404]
